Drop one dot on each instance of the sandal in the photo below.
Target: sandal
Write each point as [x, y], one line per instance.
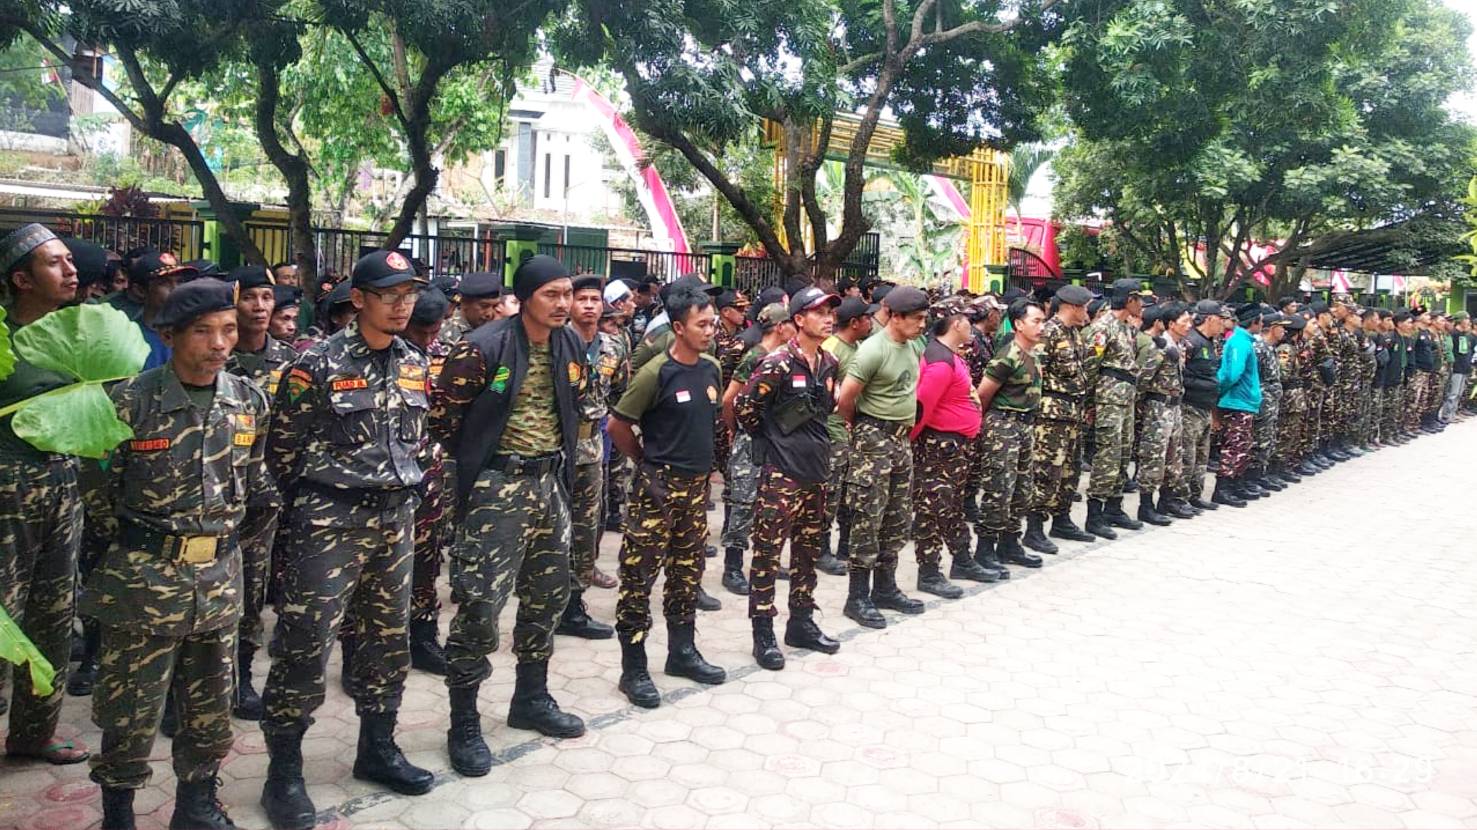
[58, 753]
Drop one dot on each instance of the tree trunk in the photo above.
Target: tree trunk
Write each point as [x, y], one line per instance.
[302, 245]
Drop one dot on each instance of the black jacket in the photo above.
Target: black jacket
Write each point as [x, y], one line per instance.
[1423, 352]
[1202, 364]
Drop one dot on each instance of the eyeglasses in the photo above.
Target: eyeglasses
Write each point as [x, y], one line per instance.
[398, 298]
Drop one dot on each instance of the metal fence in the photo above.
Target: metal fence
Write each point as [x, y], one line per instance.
[338, 248]
[619, 263]
[182, 237]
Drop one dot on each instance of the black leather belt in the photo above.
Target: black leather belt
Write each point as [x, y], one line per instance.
[895, 427]
[191, 550]
[1172, 400]
[518, 465]
[370, 498]
[1060, 395]
[1114, 372]
[1027, 416]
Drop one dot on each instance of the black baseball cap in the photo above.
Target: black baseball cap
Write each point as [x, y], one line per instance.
[812, 297]
[151, 264]
[383, 269]
[852, 308]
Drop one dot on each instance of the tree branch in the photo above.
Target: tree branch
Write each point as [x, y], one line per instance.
[379, 78]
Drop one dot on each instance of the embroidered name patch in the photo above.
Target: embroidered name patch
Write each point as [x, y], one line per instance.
[347, 384]
[244, 439]
[148, 444]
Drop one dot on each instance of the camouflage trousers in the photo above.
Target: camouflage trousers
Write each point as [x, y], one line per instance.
[1113, 433]
[740, 488]
[1055, 466]
[1417, 398]
[1392, 412]
[515, 535]
[1313, 420]
[1005, 492]
[786, 509]
[1161, 452]
[722, 446]
[836, 484]
[938, 495]
[666, 528]
[258, 532]
[328, 570]
[975, 461]
[1264, 430]
[40, 533]
[136, 671]
[617, 484]
[1236, 442]
[584, 514]
[879, 491]
[432, 529]
[1196, 451]
[1290, 426]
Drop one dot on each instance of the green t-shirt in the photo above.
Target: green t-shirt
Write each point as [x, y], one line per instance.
[1020, 381]
[747, 363]
[533, 425]
[888, 371]
[845, 353]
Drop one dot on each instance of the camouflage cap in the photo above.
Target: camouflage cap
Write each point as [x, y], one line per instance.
[772, 315]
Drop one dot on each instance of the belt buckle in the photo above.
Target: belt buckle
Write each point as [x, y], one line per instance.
[198, 550]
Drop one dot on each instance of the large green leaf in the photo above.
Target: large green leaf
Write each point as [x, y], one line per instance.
[7, 356]
[74, 420]
[90, 342]
[16, 648]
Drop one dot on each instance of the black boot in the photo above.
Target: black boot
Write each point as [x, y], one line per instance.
[248, 705]
[1130, 485]
[1147, 513]
[577, 622]
[1097, 523]
[1287, 474]
[1035, 537]
[802, 632]
[635, 681]
[1062, 527]
[1267, 480]
[169, 722]
[380, 760]
[886, 595]
[1173, 507]
[684, 660]
[426, 654]
[1201, 504]
[117, 809]
[964, 566]
[827, 563]
[706, 601]
[859, 605]
[1113, 512]
[733, 572]
[984, 555]
[80, 682]
[469, 753]
[348, 645]
[198, 807]
[972, 508]
[1306, 468]
[284, 795]
[1225, 493]
[532, 707]
[766, 651]
[1008, 548]
[1247, 488]
[843, 535]
[931, 580]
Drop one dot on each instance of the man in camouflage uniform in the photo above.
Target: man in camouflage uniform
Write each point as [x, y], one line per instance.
[1264, 426]
[733, 307]
[1056, 447]
[1369, 370]
[853, 325]
[1324, 375]
[1402, 332]
[1010, 395]
[1202, 393]
[167, 594]
[345, 446]
[985, 314]
[1292, 369]
[784, 406]
[1162, 430]
[507, 407]
[1113, 368]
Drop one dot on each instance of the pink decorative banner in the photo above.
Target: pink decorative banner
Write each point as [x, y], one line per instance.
[947, 193]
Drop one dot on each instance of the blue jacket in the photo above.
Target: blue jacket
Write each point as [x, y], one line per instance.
[1240, 382]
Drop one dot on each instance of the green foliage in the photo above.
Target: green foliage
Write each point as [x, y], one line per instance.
[17, 649]
[7, 354]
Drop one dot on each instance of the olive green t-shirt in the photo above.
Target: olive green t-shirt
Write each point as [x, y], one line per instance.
[1020, 381]
[533, 425]
[747, 363]
[845, 353]
[888, 371]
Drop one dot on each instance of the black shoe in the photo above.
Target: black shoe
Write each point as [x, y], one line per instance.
[1225, 493]
[426, 654]
[859, 605]
[1173, 507]
[1304, 468]
[532, 707]
[169, 722]
[1148, 514]
[1287, 474]
[766, 651]
[887, 596]
[733, 572]
[635, 681]
[828, 564]
[706, 601]
[1113, 512]
[117, 809]
[284, 795]
[1035, 537]
[469, 753]
[1008, 548]
[965, 567]
[1248, 489]
[931, 580]
[972, 509]
[1062, 527]
[802, 632]
[1270, 482]
[684, 660]
[348, 645]
[709, 551]
[1097, 523]
[1201, 504]
[197, 806]
[1130, 485]
[984, 556]
[248, 704]
[82, 679]
[577, 622]
[380, 760]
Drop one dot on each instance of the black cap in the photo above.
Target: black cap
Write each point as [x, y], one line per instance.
[536, 272]
[151, 264]
[1249, 313]
[812, 297]
[430, 306]
[195, 299]
[251, 276]
[446, 284]
[205, 268]
[1319, 307]
[1273, 318]
[287, 295]
[880, 292]
[732, 299]
[905, 299]
[1122, 290]
[588, 282]
[91, 260]
[383, 269]
[852, 308]
[1073, 295]
[482, 285]
[769, 296]
[338, 295]
[1296, 323]
[1207, 308]
[692, 281]
[1096, 305]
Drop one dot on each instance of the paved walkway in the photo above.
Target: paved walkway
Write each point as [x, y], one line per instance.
[1307, 661]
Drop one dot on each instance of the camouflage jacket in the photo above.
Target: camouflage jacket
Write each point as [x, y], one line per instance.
[1269, 368]
[1062, 358]
[265, 367]
[188, 471]
[608, 378]
[1112, 362]
[1164, 368]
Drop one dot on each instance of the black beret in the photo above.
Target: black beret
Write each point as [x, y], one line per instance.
[1011, 295]
[195, 299]
[1207, 308]
[1073, 295]
[1096, 305]
[1249, 313]
[446, 284]
[430, 306]
[1319, 307]
[338, 295]
[905, 299]
[287, 295]
[588, 282]
[1402, 316]
[251, 276]
[206, 268]
[383, 269]
[482, 285]
[91, 260]
[151, 264]
[536, 272]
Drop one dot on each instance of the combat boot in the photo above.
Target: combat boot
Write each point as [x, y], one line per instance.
[1062, 527]
[469, 753]
[426, 654]
[984, 555]
[117, 809]
[81, 681]
[1008, 548]
[380, 760]
[684, 660]
[706, 601]
[802, 632]
[859, 607]
[766, 651]
[1246, 488]
[1225, 493]
[827, 563]
[1097, 523]
[843, 536]
[1130, 485]
[577, 622]
[964, 566]
[733, 571]
[532, 707]
[1335, 451]
[886, 595]
[197, 806]
[1306, 468]
[931, 580]
[1035, 537]
[348, 645]
[635, 682]
[1147, 513]
[284, 795]
[972, 508]
[1173, 507]
[1286, 473]
[248, 705]
[1113, 512]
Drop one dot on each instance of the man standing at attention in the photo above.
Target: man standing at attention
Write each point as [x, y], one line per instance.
[1113, 364]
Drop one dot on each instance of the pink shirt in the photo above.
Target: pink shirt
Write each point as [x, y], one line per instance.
[946, 396]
